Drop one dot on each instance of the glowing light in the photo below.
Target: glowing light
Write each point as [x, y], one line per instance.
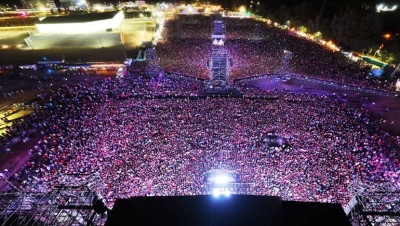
[227, 193]
[242, 9]
[107, 65]
[159, 14]
[216, 193]
[221, 179]
[398, 85]
[88, 27]
[82, 2]
[387, 36]
[99, 8]
[302, 34]
[385, 8]
[332, 46]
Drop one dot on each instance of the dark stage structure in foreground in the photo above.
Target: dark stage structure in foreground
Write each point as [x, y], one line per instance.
[374, 203]
[233, 210]
[76, 201]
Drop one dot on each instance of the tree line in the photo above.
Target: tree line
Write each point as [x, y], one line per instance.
[353, 25]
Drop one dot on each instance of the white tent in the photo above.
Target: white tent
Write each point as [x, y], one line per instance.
[189, 10]
[218, 43]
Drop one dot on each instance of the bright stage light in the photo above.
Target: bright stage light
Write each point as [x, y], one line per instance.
[227, 193]
[216, 193]
[221, 179]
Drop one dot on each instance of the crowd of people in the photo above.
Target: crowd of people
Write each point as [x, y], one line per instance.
[153, 137]
[256, 49]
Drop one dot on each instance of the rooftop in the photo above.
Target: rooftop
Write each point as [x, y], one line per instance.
[80, 18]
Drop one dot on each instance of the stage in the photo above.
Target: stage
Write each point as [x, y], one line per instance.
[223, 210]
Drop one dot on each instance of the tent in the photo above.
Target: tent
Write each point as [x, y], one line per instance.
[189, 10]
[218, 43]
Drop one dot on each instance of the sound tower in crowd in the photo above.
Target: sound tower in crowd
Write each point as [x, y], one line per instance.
[219, 63]
[153, 68]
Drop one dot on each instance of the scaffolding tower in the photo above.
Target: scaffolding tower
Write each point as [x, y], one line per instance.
[257, 31]
[219, 63]
[153, 68]
[179, 33]
[76, 200]
[374, 203]
[283, 70]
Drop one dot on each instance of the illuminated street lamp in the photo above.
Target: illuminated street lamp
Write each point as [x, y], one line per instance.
[387, 36]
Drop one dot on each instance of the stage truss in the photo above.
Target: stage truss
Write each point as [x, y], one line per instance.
[229, 188]
[374, 203]
[77, 200]
[226, 182]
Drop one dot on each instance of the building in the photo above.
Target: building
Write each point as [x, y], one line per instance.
[81, 24]
[67, 4]
[37, 4]
[94, 30]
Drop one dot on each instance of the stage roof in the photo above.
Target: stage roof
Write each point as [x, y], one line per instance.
[230, 211]
[81, 18]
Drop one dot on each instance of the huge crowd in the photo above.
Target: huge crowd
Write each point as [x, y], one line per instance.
[257, 49]
[149, 137]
